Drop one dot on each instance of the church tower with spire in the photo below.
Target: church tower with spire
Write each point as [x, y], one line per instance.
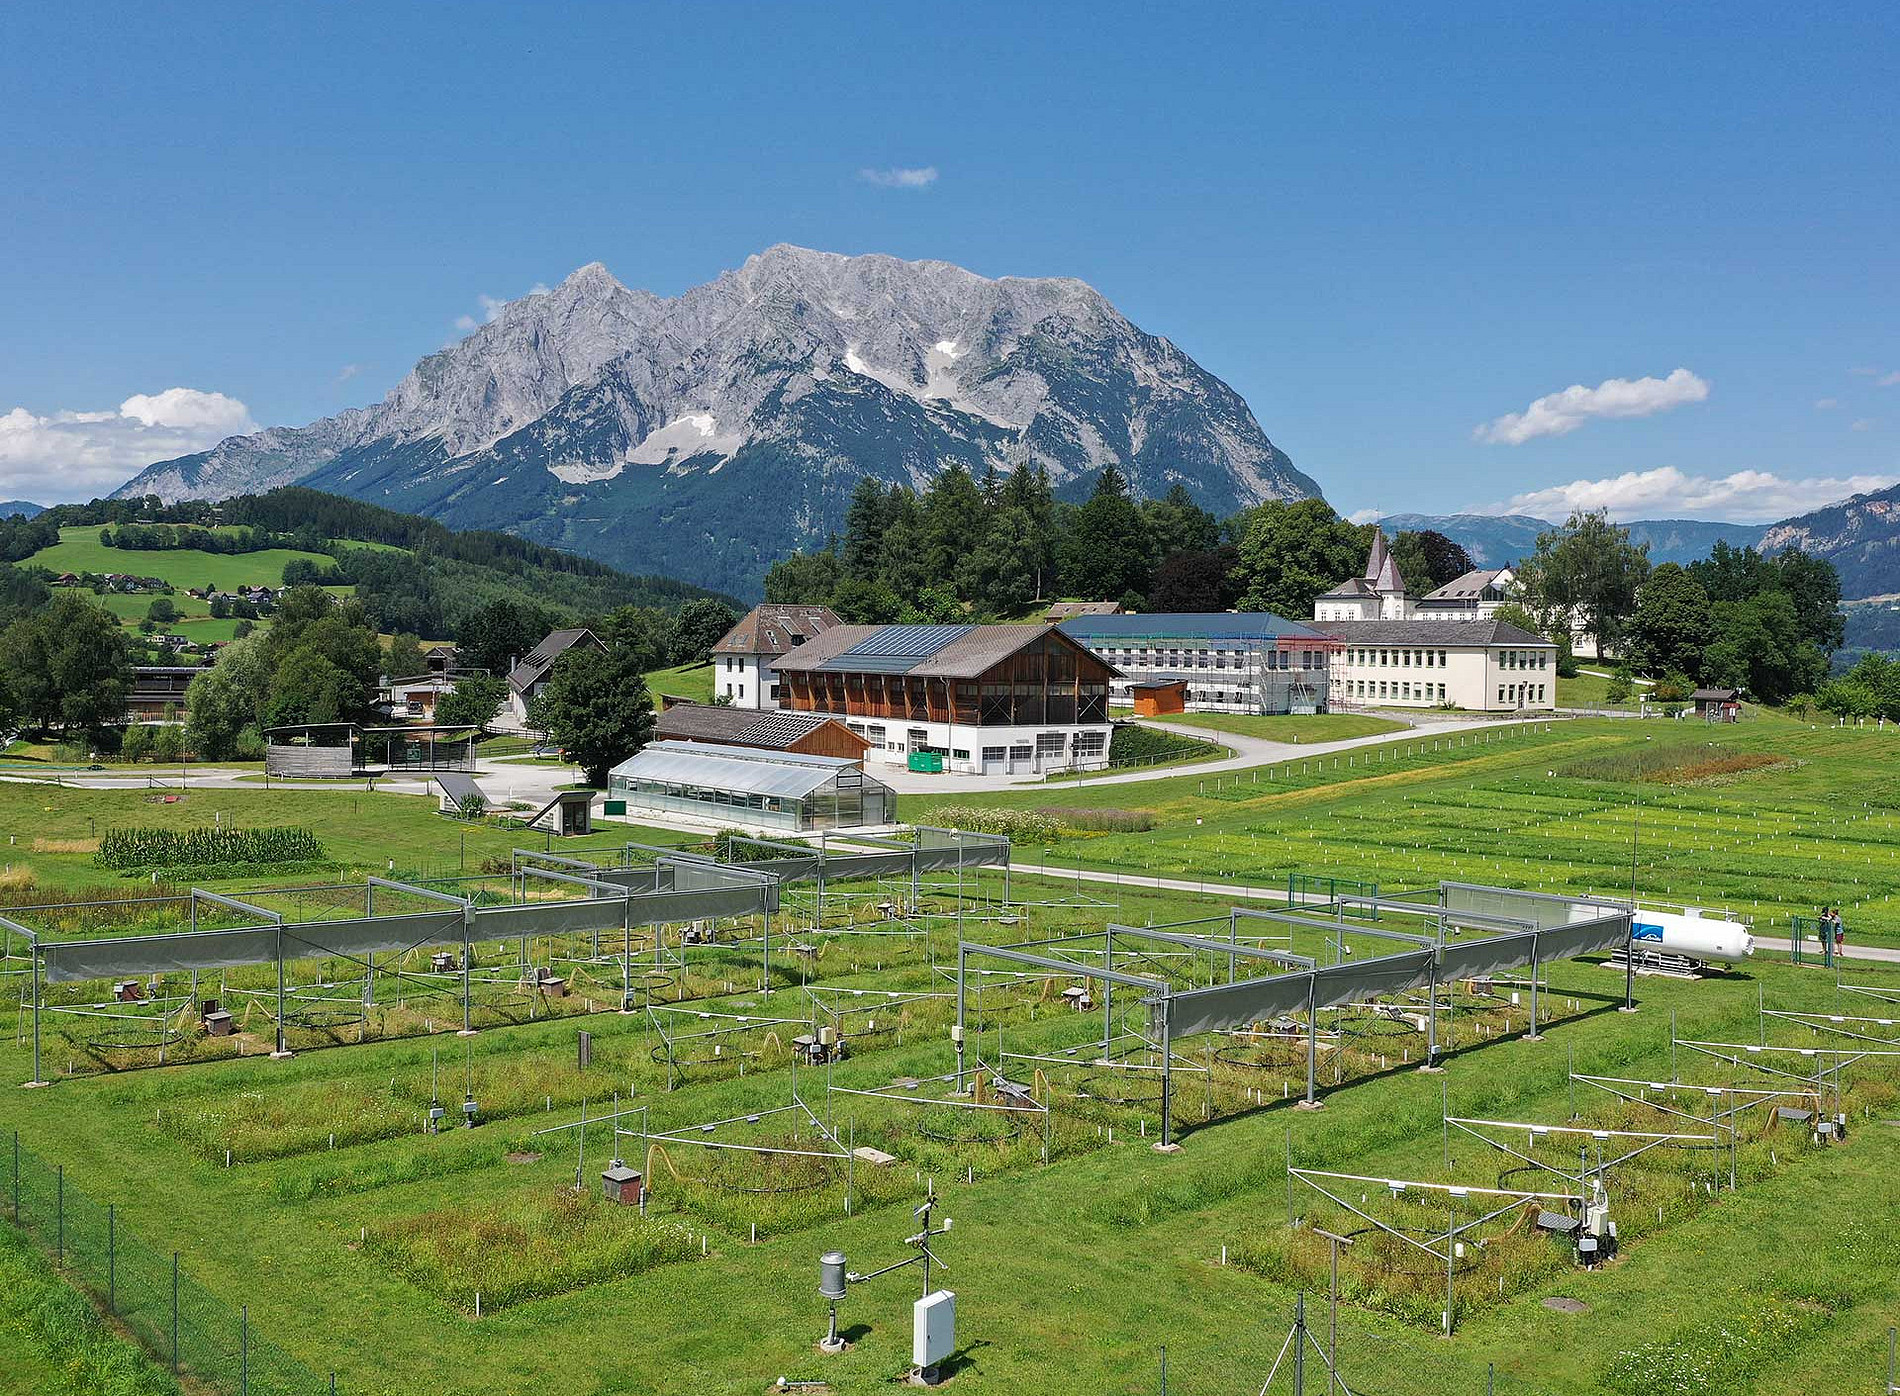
[1377, 594]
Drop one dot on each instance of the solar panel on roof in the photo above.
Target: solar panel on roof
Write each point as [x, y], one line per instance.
[892, 649]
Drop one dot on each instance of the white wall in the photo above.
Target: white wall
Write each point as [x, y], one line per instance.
[1498, 678]
[987, 750]
[747, 679]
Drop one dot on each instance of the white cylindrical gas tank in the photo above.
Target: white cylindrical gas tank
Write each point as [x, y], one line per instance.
[1697, 937]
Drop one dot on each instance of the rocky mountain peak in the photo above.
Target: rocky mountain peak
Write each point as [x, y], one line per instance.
[650, 431]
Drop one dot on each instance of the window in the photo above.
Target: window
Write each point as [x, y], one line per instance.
[1441, 659]
[1090, 743]
[1051, 743]
[1019, 751]
[992, 753]
[1441, 693]
[959, 755]
[1501, 697]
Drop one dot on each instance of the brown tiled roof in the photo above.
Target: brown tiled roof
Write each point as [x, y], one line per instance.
[712, 722]
[927, 651]
[776, 629]
[1064, 610]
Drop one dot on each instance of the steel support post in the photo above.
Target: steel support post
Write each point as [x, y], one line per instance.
[39, 1078]
[963, 963]
[1533, 1032]
[468, 954]
[1167, 1076]
[1312, 1040]
[281, 1051]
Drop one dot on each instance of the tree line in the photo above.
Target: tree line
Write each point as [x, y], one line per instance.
[1735, 619]
[989, 548]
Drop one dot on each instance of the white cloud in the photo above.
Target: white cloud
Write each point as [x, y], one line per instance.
[1365, 516]
[898, 177]
[1556, 414]
[1826, 404]
[78, 455]
[1888, 380]
[1861, 424]
[1747, 496]
[492, 307]
[347, 372]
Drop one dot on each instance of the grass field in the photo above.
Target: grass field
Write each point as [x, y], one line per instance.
[359, 1241]
[690, 681]
[1321, 727]
[1588, 691]
[78, 550]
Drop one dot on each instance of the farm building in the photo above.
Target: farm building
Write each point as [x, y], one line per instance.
[530, 673]
[1069, 610]
[740, 785]
[1226, 662]
[1717, 704]
[158, 691]
[976, 698]
[810, 734]
[1159, 697]
[415, 696]
[745, 659]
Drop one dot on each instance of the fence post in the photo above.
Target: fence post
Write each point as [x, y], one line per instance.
[60, 1251]
[174, 1313]
[112, 1258]
[16, 1177]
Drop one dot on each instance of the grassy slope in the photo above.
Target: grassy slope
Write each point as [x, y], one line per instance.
[1322, 727]
[78, 550]
[690, 681]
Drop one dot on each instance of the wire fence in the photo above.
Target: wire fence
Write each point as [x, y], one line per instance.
[193, 1333]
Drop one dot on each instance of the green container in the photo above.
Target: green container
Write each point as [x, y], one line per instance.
[926, 762]
[613, 807]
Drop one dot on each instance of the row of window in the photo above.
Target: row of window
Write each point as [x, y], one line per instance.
[1213, 659]
[1398, 659]
[1375, 688]
[1521, 693]
[1523, 659]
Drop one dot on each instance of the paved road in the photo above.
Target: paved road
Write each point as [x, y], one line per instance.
[1248, 753]
[1240, 891]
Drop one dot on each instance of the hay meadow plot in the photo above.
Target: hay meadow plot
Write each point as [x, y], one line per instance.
[1769, 819]
[361, 1239]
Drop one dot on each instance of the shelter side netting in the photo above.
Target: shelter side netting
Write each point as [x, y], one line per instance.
[364, 935]
[1472, 959]
[796, 868]
[843, 867]
[637, 880]
[1541, 909]
[65, 961]
[1338, 985]
[1585, 937]
[1233, 1005]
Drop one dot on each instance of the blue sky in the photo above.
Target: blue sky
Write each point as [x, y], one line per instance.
[1390, 231]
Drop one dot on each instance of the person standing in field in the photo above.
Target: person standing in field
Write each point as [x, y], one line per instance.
[1840, 935]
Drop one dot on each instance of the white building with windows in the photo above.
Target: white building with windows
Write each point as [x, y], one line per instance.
[745, 659]
[1229, 661]
[1446, 650]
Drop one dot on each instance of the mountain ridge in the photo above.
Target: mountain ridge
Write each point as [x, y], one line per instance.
[648, 431]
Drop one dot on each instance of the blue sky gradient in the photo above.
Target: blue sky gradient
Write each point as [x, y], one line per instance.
[1384, 228]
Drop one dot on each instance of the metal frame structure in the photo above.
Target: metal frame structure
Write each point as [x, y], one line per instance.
[1445, 1249]
[675, 887]
[1545, 927]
